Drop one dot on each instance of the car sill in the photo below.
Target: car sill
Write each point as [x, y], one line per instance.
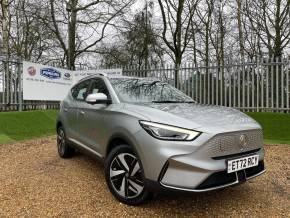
[85, 147]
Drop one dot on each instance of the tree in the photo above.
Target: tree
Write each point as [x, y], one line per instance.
[28, 38]
[177, 17]
[5, 26]
[240, 28]
[138, 43]
[81, 25]
[270, 20]
[5, 41]
[207, 20]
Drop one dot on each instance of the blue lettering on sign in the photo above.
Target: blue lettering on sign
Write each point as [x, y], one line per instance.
[50, 73]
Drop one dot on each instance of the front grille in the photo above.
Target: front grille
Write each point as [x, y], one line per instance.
[241, 154]
[229, 143]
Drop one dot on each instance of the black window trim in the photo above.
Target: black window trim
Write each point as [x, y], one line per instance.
[89, 86]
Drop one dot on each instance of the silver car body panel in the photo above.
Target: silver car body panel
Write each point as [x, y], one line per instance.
[93, 127]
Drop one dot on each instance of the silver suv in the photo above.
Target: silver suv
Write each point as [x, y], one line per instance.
[152, 137]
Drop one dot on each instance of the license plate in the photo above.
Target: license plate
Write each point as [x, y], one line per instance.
[242, 163]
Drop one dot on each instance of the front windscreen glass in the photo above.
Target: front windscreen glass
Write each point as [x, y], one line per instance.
[136, 90]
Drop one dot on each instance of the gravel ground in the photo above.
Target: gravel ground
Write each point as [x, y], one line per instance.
[35, 182]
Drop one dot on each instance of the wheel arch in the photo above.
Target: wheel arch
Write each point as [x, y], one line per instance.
[119, 139]
[116, 140]
[58, 124]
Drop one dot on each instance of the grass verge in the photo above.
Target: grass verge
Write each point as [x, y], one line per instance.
[15, 126]
[276, 127]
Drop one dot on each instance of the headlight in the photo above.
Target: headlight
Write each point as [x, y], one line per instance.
[166, 132]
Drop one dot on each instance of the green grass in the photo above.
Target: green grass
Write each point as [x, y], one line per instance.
[15, 126]
[276, 127]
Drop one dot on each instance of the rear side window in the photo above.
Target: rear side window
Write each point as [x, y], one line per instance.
[80, 91]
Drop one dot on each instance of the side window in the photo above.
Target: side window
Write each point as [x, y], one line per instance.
[80, 91]
[99, 86]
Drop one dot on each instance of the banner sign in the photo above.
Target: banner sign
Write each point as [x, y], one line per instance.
[45, 83]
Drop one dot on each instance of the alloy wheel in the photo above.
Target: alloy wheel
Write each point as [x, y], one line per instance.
[61, 141]
[126, 175]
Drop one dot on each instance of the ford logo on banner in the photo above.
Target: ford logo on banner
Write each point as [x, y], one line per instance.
[50, 73]
[67, 75]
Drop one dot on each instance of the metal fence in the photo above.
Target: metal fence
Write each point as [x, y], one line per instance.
[261, 85]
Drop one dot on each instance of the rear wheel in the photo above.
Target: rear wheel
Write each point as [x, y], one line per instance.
[63, 148]
[125, 176]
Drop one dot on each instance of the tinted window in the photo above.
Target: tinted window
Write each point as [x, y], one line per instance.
[147, 90]
[79, 92]
[99, 86]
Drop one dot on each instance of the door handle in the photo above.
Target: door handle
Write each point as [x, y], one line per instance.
[82, 113]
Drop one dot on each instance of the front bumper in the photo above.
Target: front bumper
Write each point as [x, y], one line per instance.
[222, 179]
[216, 181]
[201, 166]
[188, 172]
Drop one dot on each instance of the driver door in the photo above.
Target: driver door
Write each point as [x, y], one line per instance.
[91, 117]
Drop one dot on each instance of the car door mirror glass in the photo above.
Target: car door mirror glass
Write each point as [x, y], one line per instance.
[97, 98]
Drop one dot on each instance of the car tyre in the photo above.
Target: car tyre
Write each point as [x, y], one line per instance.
[125, 176]
[63, 147]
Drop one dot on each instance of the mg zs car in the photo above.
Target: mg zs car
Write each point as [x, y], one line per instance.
[152, 137]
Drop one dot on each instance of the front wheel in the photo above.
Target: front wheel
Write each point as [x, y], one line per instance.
[125, 176]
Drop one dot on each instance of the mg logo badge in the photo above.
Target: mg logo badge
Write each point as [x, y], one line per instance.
[243, 142]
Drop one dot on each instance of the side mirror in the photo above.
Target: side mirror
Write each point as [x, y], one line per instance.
[97, 98]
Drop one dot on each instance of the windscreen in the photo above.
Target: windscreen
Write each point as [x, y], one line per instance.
[143, 90]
